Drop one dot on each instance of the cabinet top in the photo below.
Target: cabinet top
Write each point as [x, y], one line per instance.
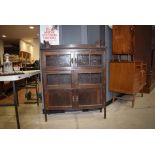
[71, 46]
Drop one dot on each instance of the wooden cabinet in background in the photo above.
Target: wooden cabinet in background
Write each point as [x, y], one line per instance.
[73, 77]
[136, 41]
[127, 77]
[24, 57]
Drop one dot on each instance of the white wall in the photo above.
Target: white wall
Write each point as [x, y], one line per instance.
[31, 48]
[26, 47]
[36, 49]
[1, 51]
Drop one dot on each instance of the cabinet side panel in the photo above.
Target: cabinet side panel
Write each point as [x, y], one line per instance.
[121, 77]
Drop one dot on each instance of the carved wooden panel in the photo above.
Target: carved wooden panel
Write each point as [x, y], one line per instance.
[59, 98]
[88, 97]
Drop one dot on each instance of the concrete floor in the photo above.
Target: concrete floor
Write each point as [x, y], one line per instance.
[119, 115]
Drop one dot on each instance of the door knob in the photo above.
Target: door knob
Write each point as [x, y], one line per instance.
[77, 98]
[73, 98]
[72, 60]
[75, 61]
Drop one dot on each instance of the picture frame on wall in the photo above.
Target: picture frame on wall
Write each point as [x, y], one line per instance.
[49, 35]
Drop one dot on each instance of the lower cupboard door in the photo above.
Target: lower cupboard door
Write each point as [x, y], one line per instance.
[59, 99]
[89, 98]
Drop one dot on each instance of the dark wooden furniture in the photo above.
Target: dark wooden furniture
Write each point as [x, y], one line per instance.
[73, 77]
[136, 43]
[127, 77]
[152, 74]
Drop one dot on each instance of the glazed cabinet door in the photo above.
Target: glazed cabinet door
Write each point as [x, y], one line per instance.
[89, 78]
[57, 60]
[89, 58]
[57, 79]
[58, 92]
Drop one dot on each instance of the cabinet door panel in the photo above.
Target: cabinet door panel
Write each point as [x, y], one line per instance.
[58, 79]
[96, 59]
[59, 99]
[89, 59]
[83, 60]
[89, 97]
[58, 60]
[89, 77]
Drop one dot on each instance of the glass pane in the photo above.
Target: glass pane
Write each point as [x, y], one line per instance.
[96, 78]
[56, 79]
[90, 78]
[52, 79]
[82, 60]
[64, 79]
[58, 60]
[96, 59]
[84, 78]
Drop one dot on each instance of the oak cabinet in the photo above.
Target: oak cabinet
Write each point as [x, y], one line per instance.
[73, 77]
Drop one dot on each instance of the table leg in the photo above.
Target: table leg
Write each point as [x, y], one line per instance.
[37, 86]
[17, 116]
[15, 93]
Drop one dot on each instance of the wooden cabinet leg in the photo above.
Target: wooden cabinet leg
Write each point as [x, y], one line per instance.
[113, 99]
[101, 110]
[104, 112]
[45, 116]
[142, 91]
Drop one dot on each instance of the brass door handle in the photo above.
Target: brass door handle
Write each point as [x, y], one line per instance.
[75, 61]
[77, 98]
[72, 60]
[73, 98]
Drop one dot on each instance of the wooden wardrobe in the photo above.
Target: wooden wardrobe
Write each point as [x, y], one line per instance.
[135, 43]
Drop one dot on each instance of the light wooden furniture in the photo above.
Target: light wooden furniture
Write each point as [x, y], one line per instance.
[73, 78]
[25, 57]
[135, 41]
[127, 77]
